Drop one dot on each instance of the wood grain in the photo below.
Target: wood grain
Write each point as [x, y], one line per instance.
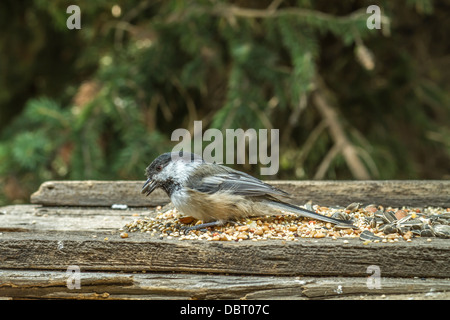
[89, 237]
[72, 223]
[96, 193]
[108, 285]
[48, 251]
[325, 193]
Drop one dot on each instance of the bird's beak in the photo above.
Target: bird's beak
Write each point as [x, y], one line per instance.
[149, 186]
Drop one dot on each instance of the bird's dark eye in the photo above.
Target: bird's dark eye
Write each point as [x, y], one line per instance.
[159, 168]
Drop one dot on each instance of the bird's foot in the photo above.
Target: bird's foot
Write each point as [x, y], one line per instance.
[202, 226]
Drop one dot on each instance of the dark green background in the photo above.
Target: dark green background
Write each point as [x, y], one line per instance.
[101, 102]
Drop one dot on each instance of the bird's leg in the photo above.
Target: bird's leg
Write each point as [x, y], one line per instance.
[217, 223]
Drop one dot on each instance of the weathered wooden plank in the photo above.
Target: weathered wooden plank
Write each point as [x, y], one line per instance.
[384, 192]
[36, 241]
[96, 193]
[103, 285]
[31, 218]
[352, 286]
[326, 193]
[323, 257]
[46, 284]
[35, 237]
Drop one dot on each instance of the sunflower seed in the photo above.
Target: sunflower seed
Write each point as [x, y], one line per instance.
[442, 231]
[353, 206]
[367, 235]
[389, 216]
[389, 228]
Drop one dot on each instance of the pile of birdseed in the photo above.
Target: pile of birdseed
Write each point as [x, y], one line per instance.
[375, 224]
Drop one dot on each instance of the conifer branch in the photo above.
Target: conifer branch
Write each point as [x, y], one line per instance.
[342, 144]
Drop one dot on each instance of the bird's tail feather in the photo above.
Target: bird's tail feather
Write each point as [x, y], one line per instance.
[309, 214]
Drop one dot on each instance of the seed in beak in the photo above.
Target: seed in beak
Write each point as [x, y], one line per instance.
[149, 186]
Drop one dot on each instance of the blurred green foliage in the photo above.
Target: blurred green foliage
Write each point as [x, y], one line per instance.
[101, 102]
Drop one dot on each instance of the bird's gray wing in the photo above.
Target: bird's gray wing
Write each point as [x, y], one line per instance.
[221, 178]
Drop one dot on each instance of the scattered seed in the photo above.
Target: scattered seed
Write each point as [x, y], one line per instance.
[242, 228]
[186, 220]
[259, 231]
[391, 236]
[242, 235]
[319, 235]
[404, 224]
[400, 214]
[408, 235]
[229, 231]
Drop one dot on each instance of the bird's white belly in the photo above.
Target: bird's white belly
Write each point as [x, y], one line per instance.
[181, 200]
[215, 207]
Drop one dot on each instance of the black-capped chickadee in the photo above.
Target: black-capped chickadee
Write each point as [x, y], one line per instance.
[217, 194]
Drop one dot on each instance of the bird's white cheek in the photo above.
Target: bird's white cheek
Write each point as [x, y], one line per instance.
[177, 170]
